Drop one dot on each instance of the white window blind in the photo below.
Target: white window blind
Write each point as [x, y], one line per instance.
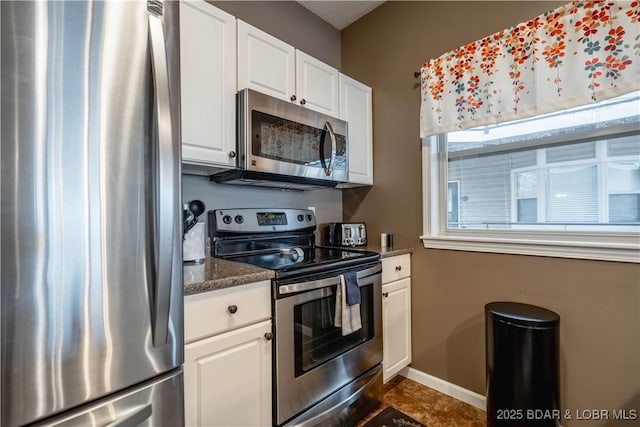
[572, 195]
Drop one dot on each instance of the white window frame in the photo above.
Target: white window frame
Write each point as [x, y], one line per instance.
[609, 246]
[457, 201]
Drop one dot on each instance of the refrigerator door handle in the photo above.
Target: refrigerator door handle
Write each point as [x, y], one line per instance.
[133, 418]
[166, 192]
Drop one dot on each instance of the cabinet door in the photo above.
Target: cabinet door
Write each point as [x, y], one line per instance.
[227, 378]
[208, 80]
[265, 63]
[355, 106]
[317, 85]
[396, 326]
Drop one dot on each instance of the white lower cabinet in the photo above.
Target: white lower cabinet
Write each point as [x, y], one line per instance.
[228, 378]
[396, 314]
[227, 375]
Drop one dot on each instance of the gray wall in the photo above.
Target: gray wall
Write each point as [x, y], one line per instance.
[302, 29]
[328, 203]
[292, 23]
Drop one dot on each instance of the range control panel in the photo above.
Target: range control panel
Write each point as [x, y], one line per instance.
[250, 220]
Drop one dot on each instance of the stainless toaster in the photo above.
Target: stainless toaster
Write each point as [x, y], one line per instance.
[346, 234]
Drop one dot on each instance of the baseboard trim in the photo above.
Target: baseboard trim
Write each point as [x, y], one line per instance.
[455, 391]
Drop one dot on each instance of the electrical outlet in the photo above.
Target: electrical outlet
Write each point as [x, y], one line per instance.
[312, 208]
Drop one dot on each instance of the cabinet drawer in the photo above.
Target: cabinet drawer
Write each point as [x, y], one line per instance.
[210, 313]
[395, 268]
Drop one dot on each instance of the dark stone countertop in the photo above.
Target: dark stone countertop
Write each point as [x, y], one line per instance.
[389, 252]
[217, 273]
[384, 253]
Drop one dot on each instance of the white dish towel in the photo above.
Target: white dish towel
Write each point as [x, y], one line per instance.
[347, 317]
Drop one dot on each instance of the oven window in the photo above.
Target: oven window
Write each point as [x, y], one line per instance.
[283, 140]
[317, 339]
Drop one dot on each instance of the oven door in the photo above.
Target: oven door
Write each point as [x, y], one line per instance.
[313, 358]
[286, 139]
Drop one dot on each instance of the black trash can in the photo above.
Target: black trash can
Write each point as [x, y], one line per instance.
[522, 350]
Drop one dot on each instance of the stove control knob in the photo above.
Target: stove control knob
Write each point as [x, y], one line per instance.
[300, 218]
[239, 219]
[309, 217]
[226, 219]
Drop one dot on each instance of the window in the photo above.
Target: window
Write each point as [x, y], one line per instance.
[453, 203]
[561, 184]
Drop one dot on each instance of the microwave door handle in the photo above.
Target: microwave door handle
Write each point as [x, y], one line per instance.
[321, 151]
[334, 144]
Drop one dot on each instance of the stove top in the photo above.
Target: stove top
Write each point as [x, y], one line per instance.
[287, 261]
[282, 240]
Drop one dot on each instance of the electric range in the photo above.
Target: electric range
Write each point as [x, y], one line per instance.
[323, 374]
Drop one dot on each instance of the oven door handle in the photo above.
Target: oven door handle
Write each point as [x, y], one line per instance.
[323, 283]
[308, 286]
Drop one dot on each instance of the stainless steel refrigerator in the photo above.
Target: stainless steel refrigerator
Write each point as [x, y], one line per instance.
[91, 264]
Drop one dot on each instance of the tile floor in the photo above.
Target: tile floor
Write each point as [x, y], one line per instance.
[428, 406]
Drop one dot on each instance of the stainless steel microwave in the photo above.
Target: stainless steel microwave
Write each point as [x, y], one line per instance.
[282, 144]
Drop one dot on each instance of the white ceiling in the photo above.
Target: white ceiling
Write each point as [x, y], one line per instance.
[340, 13]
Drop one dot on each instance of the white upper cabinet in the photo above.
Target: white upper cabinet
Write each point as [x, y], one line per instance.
[265, 64]
[355, 106]
[208, 80]
[317, 85]
[273, 67]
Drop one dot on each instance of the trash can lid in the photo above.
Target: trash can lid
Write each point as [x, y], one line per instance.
[522, 314]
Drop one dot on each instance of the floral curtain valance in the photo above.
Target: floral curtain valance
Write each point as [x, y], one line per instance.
[582, 52]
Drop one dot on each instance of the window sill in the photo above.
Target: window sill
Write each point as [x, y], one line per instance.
[602, 251]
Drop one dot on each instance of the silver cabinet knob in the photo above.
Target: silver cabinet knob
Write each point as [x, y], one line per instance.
[303, 101]
[268, 336]
[398, 267]
[232, 154]
[293, 98]
[385, 294]
[232, 309]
